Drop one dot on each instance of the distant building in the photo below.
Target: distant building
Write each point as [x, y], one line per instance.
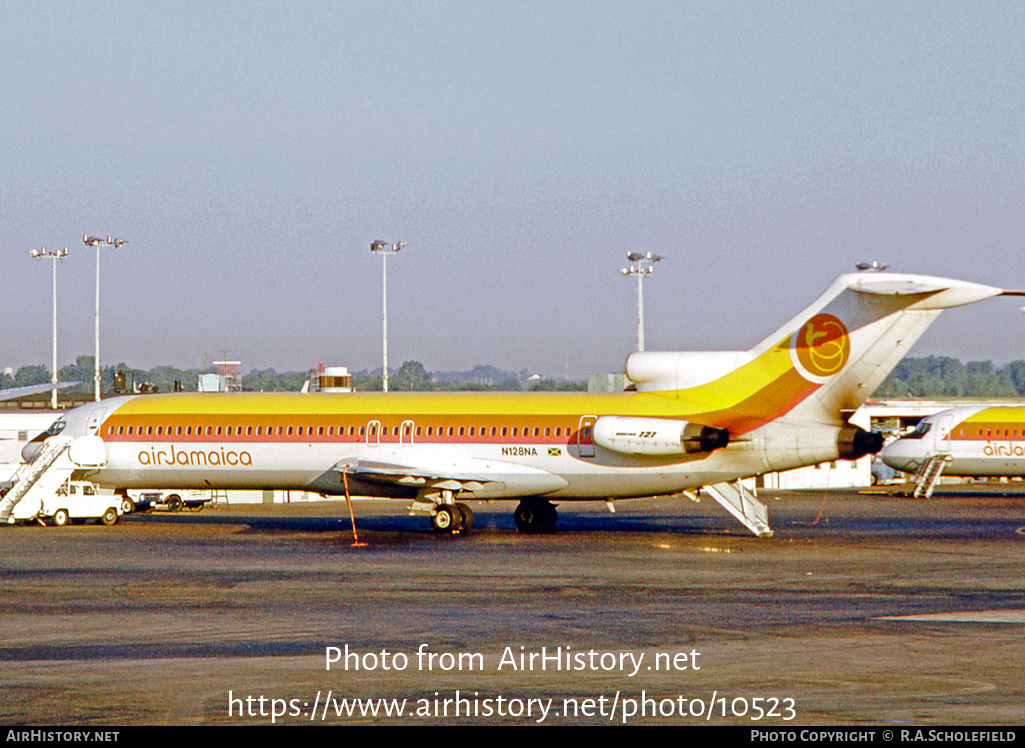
[226, 379]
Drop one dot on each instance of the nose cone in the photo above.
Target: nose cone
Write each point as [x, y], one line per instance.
[31, 450]
[902, 455]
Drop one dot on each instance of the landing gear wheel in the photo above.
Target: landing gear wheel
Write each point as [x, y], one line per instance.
[447, 519]
[60, 517]
[109, 517]
[127, 506]
[174, 503]
[535, 516]
[467, 517]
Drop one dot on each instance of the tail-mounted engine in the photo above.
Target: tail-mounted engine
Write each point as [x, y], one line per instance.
[854, 442]
[657, 437]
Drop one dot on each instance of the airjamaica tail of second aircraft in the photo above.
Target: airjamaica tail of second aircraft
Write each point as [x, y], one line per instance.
[697, 420]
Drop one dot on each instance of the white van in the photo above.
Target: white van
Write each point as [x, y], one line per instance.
[79, 500]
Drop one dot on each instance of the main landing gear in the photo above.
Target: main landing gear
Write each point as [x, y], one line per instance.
[536, 515]
[533, 515]
[452, 518]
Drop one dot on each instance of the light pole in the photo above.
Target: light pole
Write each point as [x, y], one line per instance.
[380, 248]
[54, 255]
[95, 241]
[643, 265]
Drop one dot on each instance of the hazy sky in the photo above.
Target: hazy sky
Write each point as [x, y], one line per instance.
[250, 152]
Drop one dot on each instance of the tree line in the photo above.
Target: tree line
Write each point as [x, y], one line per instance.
[929, 376]
[411, 376]
[943, 376]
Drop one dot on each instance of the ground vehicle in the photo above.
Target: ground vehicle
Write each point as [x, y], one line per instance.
[171, 499]
[79, 500]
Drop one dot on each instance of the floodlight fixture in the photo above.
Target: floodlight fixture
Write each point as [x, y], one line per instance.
[95, 241]
[384, 249]
[643, 265]
[54, 255]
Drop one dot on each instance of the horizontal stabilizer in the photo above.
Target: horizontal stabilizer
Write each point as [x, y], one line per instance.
[897, 287]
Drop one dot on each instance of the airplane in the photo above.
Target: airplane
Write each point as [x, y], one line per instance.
[971, 441]
[701, 420]
[13, 393]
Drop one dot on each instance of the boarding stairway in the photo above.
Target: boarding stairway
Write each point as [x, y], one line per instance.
[36, 480]
[742, 504]
[929, 473]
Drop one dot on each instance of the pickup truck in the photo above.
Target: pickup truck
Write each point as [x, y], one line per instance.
[79, 501]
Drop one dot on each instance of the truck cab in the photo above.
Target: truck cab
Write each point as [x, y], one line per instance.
[79, 500]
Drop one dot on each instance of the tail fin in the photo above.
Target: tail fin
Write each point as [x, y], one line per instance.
[821, 365]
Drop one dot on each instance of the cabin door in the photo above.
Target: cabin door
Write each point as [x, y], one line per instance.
[585, 436]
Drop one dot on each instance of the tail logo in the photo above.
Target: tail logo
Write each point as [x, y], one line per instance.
[820, 348]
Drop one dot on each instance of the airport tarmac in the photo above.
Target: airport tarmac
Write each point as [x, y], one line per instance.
[863, 609]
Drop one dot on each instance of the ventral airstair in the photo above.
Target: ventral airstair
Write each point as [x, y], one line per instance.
[741, 503]
[39, 479]
[928, 475]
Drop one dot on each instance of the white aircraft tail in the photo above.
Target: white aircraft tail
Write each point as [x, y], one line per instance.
[821, 365]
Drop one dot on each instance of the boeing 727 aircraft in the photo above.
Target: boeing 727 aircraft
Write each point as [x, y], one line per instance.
[697, 420]
[971, 441]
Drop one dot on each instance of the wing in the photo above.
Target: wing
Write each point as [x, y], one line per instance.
[13, 393]
[483, 478]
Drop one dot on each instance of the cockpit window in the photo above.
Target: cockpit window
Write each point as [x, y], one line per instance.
[920, 430]
[56, 427]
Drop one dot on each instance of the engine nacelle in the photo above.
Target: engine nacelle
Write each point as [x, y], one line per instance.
[853, 442]
[656, 437]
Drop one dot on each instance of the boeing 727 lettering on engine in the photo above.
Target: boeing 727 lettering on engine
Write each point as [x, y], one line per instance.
[697, 420]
